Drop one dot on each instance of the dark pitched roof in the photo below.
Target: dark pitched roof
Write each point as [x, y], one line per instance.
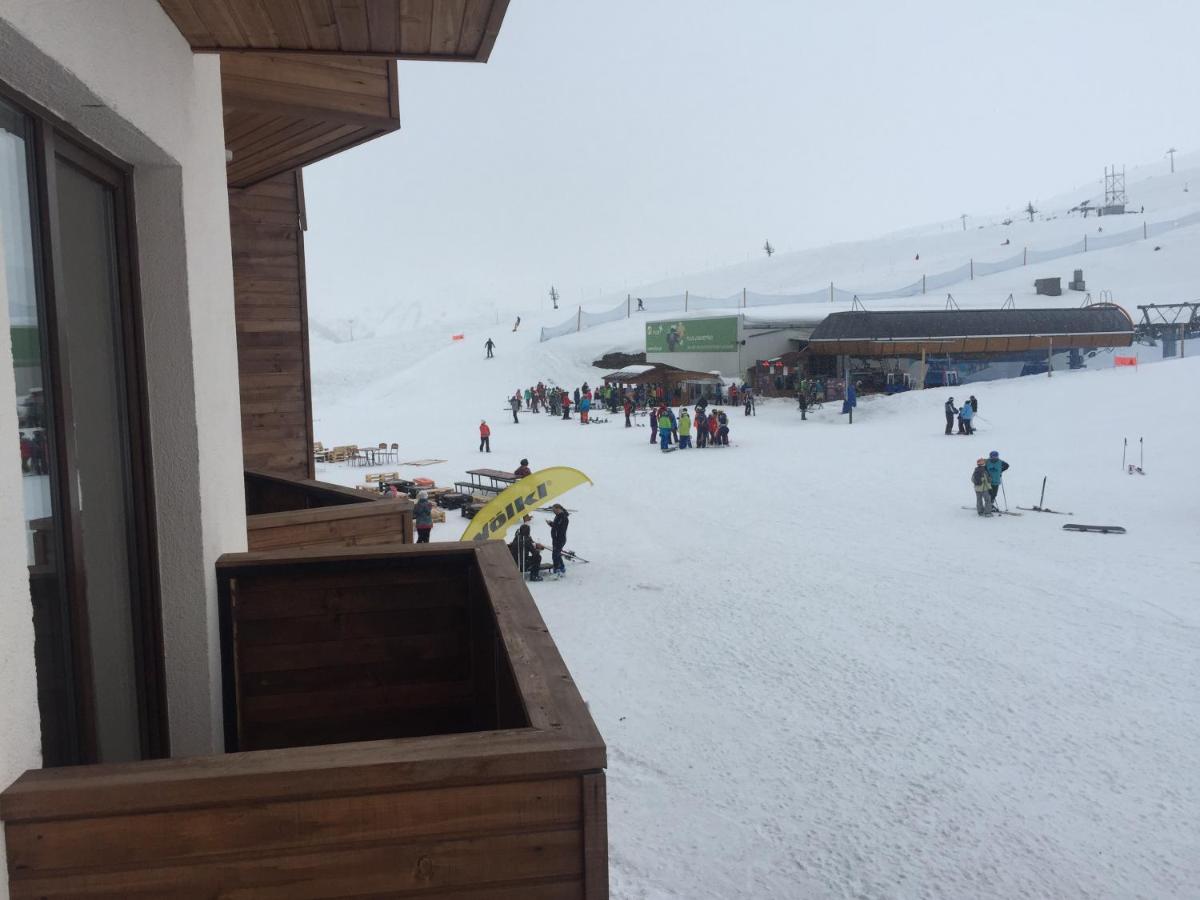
[916, 325]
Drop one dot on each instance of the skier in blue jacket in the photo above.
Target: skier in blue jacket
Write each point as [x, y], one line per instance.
[967, 414]
[996, 467]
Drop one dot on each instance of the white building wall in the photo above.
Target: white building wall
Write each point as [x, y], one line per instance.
[120, 73]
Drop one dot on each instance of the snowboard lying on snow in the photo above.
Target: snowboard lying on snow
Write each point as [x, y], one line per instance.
[1101, 529]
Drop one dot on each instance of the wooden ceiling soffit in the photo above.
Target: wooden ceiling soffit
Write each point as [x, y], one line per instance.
[455, 30]
[283, 112]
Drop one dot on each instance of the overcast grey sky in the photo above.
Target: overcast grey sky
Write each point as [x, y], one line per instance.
[608, 144]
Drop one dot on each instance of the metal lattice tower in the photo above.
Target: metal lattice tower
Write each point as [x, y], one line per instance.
[1114, 186]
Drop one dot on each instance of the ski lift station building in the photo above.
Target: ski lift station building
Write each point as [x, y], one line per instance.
[728, 344]
[936, 347]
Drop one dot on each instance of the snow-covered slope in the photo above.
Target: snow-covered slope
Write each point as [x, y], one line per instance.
[819, 676]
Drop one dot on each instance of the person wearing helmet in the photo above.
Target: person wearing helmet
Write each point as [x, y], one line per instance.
[685, 430]
[996, 468]
[951, 412]
[423, 517]
[983, 488]
[523, 469]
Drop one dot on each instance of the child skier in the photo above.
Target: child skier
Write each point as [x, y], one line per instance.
[722, 429]
[685, 430]
[664, 429]
[983, 488]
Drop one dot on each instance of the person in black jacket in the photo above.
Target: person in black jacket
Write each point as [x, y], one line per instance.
[526, 552]
[558, 538]
[951, 412]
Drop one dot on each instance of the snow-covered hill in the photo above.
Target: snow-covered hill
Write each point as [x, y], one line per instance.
[817, 674]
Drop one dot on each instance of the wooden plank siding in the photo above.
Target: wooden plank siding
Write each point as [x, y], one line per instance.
[283, 112]
[390, 521]
[271, 316]
[513, 806]
[452, 30]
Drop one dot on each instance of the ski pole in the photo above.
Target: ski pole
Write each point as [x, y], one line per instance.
[1041, 502]
[1123, 449]
[1005, 494]
[1141, 455]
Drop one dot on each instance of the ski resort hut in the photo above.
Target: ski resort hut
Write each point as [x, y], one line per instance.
[936, 347]
[677, 384]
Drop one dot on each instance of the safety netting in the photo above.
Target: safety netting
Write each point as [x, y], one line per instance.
[687, 302]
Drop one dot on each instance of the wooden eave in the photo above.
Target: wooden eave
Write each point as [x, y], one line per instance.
[449, 30]
[283, 112]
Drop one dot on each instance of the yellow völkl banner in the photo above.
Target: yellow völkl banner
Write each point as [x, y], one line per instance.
[532, 491]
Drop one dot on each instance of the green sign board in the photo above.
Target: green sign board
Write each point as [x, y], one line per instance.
[692, 335]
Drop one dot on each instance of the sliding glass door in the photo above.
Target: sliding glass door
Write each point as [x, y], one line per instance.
[66, 239]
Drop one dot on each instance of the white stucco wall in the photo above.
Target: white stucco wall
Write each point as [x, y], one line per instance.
[159, 110]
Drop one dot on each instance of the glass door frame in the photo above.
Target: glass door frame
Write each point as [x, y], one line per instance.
[54, 141]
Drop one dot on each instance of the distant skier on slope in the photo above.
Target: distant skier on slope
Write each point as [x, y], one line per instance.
[684, 425]
[515, 403]
[489, 347]
[485, 436]
[951, 412]
[722, 429]
[983, 488]
[996, 468]
[628, 407]
[517, 324]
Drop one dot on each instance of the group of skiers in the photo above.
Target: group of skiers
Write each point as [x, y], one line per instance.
[966, 415]
[711, 427]
[987, 479]
[527, 553]
[555, 400]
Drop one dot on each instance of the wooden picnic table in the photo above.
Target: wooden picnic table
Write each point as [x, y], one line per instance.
[486, 481]
[493, 476]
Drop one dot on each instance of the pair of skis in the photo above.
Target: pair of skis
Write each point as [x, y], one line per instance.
[1040, 507]
[1131, 468]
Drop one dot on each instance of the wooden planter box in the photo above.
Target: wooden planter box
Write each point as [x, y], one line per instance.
[420, 736]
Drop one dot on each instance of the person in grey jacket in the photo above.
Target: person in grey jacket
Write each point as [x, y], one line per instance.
[423, 517]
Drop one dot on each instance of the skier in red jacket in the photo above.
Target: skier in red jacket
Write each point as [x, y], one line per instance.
[485, 436]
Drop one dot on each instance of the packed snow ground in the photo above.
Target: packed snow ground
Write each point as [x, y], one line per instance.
[818, 675]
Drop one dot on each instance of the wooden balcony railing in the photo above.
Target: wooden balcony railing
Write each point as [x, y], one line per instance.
[404, 726]
[284, 512]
